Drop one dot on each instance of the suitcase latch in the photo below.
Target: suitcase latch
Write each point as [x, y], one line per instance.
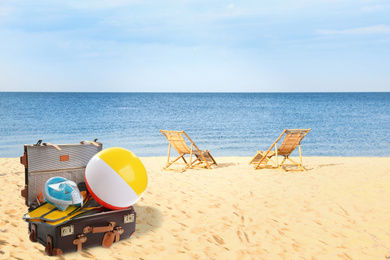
[67, 230]
[129, 218]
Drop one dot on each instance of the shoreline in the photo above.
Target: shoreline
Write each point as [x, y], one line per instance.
[338, 209]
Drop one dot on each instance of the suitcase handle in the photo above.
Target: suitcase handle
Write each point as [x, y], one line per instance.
[91, 229]
[88, 142]
[55, 146]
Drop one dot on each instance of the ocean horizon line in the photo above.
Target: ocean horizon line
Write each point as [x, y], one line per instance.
[203, 92]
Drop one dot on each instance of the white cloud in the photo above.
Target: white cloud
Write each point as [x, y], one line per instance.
[376, 8]
[100, 4]
[231, 6]
[4, 11]
[376, 29]
[386, 40]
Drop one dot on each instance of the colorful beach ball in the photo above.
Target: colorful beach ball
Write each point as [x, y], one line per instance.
[116, 178]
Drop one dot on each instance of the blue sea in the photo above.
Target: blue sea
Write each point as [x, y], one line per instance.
[227, 124]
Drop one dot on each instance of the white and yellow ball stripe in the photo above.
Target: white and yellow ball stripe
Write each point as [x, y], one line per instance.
[116, 178]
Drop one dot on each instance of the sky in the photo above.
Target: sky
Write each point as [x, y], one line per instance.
[195, 46]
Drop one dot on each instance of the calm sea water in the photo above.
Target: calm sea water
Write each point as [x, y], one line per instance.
[228, 124]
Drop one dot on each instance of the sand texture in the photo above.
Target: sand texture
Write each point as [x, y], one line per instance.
[338, 209]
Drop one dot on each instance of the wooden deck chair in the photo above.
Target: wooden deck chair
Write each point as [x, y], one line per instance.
[292, 139]
[177, 141]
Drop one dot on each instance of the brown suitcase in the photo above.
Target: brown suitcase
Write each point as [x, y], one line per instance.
[103, 227]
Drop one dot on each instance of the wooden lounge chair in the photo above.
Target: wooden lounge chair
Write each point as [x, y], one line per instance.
[177, 141]
[292, 139]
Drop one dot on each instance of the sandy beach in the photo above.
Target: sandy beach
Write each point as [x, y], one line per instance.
[338, 209]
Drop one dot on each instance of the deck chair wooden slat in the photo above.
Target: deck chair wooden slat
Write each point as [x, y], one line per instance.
[177, 140]
[292, 139]
[289, 143]
[178, 143]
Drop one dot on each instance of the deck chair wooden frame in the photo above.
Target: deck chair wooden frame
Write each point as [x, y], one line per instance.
[292, 139]
[177, 141]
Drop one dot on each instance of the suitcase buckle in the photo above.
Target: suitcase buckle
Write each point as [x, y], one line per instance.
[112, 236]
[79, 241]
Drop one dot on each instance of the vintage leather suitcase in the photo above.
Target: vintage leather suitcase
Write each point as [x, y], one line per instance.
[102, 227]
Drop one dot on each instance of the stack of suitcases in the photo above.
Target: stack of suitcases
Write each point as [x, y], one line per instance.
[77, 227]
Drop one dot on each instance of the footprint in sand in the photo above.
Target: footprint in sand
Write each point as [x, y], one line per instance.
[296, 247]
[3, 242]
[11, 211]
[239, 234]
[218, 239]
